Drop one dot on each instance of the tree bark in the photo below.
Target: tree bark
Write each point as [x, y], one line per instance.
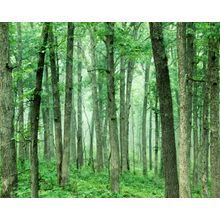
[144, 120]
[7, 141]
[184, 150]
[68, 105]
[79, 113]
[166, 111]
[113, 128]
[36, 113]
[213, 67]
[156, 148]
[56, 105]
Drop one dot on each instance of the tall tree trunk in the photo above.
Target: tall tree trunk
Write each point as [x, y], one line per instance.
[56, 105]
[46, 120]
[144, 119]
[68, 105]
[213, 67]
[79, 113]
[156, 148]
[113, 128]
[166, 111]
[96, 106]
[150, 141]
[122, 115]
[91, 161]
[184, 160]
[7, 141]
[36, 113]
[20, 97]
[205, 136]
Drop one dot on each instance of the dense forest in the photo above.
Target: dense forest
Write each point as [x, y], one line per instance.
[116, 109]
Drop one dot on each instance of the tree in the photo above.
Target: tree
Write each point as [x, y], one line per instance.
[113, 128]
[68, 105]
[184, 148]
[213, 67]
[36, 113]
[7, 142]
[144, 119]
[56, 104]
[166, 110]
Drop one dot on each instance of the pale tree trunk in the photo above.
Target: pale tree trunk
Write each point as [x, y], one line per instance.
[166, 111]
[213, 68]
[122, 114]
[91, 161]
[150, 140]
[68, 105]
[79, 112]
[96, 106]
[36, 113]
[46, 119]
[56, 104]
[20, 97]
[7, 142]
[144, 120]
[113, 128]
[184, 160]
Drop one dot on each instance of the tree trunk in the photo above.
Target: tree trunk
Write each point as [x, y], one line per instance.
[166, 111]
[79, 113]
[150, 141]
[156, 148]
[96, 106]
[113, 128]
[91, 161]
[144, 119]
[184, 160]
[7, 142]
[68, 105]
[213, 67]
[36, 113]
[56, 105]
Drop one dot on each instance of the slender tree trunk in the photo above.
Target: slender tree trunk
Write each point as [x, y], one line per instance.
[7, 142]
[122, 115]
[156, 136]
[68, 105]
[205, 136]
[91, 161]
[36, 113]
[56, 105]
[213, 67]
[166, 111]
[150, 141]
[113, 128]
[144, 120]
[184, 160]
[79, 113]
[96, 107]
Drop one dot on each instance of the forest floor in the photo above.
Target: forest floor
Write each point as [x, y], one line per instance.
[87, 184]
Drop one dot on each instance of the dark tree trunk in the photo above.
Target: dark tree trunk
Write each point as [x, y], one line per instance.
[36, 113]
[113, 128]
[166, 111]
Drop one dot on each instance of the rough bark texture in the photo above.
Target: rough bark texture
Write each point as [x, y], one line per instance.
[56, 104]
[213, 68]
[166, 111]
[156, 148]
[96, 107]
[204, 149]
[113, 128]
[144, 120]
[68, 105]
[36, 113]
[79, 113]
[7, 142]
[184, 159]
